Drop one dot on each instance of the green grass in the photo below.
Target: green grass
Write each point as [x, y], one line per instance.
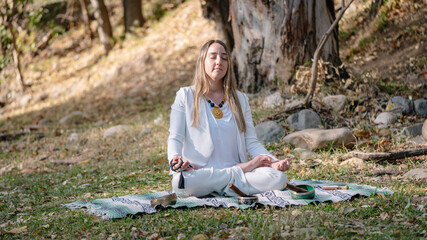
[127, 164]
[33, 200]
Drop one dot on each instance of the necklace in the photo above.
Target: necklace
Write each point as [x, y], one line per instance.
[216, 111]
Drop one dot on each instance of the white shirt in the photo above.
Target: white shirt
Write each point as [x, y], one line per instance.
[224, 137]
[195, 143]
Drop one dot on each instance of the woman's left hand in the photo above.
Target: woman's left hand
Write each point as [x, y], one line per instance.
[282, 165]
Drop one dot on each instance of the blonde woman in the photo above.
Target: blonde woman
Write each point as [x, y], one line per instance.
[211, 132]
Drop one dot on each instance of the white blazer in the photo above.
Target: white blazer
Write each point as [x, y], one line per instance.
[195, 143]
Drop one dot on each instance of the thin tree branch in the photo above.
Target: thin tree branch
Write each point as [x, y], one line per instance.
[313, 79]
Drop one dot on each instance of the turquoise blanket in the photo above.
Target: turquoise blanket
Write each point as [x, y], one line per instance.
[119, 207]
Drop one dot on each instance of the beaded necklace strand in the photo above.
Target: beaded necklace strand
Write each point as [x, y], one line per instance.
[216, 110]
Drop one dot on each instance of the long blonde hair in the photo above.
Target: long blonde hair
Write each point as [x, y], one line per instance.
[201, 86]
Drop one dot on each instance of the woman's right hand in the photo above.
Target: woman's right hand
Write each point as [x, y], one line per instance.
[177, 160]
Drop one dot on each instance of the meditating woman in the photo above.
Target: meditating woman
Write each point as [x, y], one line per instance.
[211, 131]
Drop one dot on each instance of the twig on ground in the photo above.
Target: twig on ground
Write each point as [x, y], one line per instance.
[385, 156]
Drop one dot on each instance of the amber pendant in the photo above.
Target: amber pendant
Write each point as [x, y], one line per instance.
[217, 113]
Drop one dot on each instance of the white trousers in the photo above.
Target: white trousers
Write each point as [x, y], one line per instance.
[205, 181]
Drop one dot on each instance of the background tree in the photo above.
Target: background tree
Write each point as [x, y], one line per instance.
[86, 18]
[104, 27]
[132, 10]
[270, 38]
[8, 17]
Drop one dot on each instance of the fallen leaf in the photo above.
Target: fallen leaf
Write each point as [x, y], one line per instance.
[83, 162]
[409, 204]
[381, 195]
[199, 237]
[18, 230]
[161, 160]
[45, 226]
[296, 213]
[361, 133]
[384, 216]
[28, 170]
[349, 210]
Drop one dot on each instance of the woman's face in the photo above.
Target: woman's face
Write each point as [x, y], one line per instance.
[216, 62]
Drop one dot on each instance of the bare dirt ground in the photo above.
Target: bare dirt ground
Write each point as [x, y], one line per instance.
[138, 79]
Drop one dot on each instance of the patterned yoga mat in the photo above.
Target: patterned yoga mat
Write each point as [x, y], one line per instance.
[119, 207]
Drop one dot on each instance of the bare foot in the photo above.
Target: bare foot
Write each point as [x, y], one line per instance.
[282, 165]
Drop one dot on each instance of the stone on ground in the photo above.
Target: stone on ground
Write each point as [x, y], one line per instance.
[335, 102]
[113, 131]
[313, 139]
[385, 118]
[273, 100]
[73, 138]
[74, 118]
[417, 173]
[418, 140]
[360, 109]
[304, 119]
[420, 106]
[424, 130]
[400, 104]
[354, 162]
[412, 131]
[145, 132]
[269, 132]
[304, 154]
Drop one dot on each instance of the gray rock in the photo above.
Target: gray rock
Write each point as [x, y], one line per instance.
[45, 121]
[354, 162]
[74, 118]
[113, 131]
[304, 119]
[273, 100]
[424, 130]
[418, 140]
[43, 96]
[25, 99]
[293, 104]
[313, 139]
[420, 106]
[158, 119]
[73, 138]
[412, 131]
[145, 132]
[400, 104]
[385, 118]
[417, 173]
[335, 102]
[269, 132]
[304, 154]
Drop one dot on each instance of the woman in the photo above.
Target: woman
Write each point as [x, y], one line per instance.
[211, 130]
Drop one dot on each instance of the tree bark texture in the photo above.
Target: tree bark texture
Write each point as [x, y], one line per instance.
[132, 10]
[271, 37]
[104, 27]
[86, 18]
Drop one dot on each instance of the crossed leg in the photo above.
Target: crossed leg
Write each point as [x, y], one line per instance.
[204, 181]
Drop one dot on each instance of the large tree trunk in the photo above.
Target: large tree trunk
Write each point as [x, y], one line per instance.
[104, 27]
[132, 10]
[271, 37]
[86, 19]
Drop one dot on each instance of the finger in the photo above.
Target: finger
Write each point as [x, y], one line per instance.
[185, 165]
